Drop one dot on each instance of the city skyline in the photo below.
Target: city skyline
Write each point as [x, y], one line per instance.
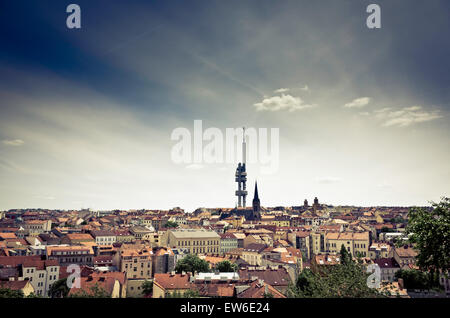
[87, 114]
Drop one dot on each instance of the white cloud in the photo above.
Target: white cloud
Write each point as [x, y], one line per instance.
[281, 90]
[194, 167]
[406, 116]
[45, 197]
[283, 102]
[358, 102]
[328, 180]
[15, 142]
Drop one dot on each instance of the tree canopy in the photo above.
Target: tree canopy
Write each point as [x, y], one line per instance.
[226, 267]
[429, 232]
[9, 293]
[147, 287]
[191, 263]
[345, 280]
[170, 224]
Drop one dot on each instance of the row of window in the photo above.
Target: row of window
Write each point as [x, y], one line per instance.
[196, 243]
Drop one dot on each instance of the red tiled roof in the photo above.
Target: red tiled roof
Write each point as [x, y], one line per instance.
[169, 281]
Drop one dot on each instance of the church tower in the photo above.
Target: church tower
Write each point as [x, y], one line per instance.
[256, 204]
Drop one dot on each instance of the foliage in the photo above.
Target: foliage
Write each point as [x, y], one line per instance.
[191, 294]
[398, 219]
[9, 293]
[346, 258]
[385, 229]
[147, 287]
[416, 279]
[171, 224]
[191, 263]
[59, 289]
[226, 267]
[345, 280]
[429, 232]
[95, 292]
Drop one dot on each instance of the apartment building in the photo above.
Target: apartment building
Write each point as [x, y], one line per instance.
[163, 260]
[356, 243]
[405, 256]
[104, 237]
[67, 255]
[253, 255]
[135, 262]
[301, 241]
[170, 283]
[76, 238]
[40, 273]
[388, 268]
[36, 227]
[228, 241]
[196, 240]
[379, 250]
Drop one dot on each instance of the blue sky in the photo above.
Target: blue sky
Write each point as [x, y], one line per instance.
[87, 114]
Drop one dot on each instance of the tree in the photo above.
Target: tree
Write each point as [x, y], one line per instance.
[345, 280]
[171, 224]
[346, 258]
[94, 292]
[59, 289]
[147, 287]
[226, 267]
[415, 279]
[9, 293]
[429, 232]
[385, 229]
[191, 263]
[191, 294]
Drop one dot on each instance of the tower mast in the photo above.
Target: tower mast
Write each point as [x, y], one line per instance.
[241, 175]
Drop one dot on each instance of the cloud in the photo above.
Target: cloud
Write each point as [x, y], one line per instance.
[194, 167]
[283, 102]
[281, 90]
[358, 102]
[406, 116]
[328, 180]
[45, 197]
[15, 142]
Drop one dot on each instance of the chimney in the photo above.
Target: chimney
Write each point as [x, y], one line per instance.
[400, 283]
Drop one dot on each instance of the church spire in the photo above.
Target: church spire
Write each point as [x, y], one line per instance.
[256, 191]
[256, 205]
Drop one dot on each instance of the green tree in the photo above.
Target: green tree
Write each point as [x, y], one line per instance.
[429, 232]
[416, 279]
[59, 289]
[9, 293]
[147, 287]
[226, 267]
[94, 292]
[191, 294]
[171, 224]
[345, 280]
[346, 258]
[191, 263]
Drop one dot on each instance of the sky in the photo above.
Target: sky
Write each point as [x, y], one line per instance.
[87, 114]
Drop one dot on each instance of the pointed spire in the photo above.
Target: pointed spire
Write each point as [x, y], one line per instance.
[256, 190]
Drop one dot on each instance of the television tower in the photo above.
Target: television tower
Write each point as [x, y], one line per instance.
[241, 175]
